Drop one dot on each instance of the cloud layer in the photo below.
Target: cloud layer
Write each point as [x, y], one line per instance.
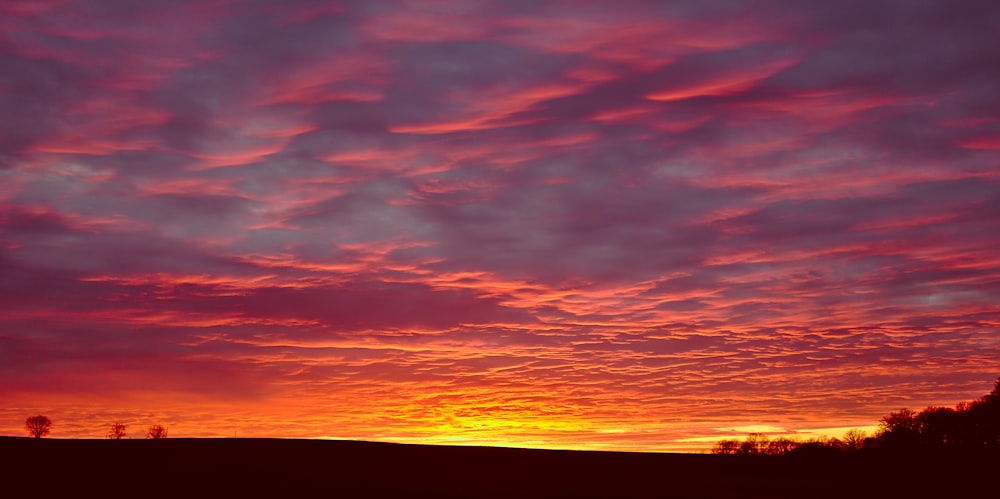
[556, 225]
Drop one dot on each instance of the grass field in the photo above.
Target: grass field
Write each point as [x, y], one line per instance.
[313, 468]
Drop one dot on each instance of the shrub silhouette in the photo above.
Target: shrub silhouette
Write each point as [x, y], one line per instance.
[38, 426]
[117, 431]
[157, 431]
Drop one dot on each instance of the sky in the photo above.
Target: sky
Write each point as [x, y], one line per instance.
[629, 225]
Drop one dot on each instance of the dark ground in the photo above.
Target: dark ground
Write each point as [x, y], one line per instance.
[312, 468]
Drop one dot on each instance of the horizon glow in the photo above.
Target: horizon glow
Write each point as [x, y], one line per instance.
[542, 224]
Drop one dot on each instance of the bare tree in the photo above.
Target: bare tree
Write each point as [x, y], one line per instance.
[117, 431]
[726, 447]
[855, 439]
[157, 431]
[38, 426]
[781, 445]
[754, 443]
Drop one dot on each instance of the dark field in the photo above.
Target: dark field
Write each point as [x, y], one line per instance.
[310, 468]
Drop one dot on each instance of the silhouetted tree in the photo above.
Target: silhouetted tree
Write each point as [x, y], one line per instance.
[38, 426]
[973, 424]
[117, 431]
[964, 434]
[903, 420]
[836, 443]
[991, 411]
[855, 439]
[820, 446]
[781, 445]
[758, 444]
[982, 419]
[754, 443]
[969, 425]
[900, 428]
[726, 447]
[157, 431]
[938, 426]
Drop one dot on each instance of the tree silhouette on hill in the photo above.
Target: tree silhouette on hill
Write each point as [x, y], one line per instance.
[117, 431]
[38, 426]
[157, 431]
[970, 425]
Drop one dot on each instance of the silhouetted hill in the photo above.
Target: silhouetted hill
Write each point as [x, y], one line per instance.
[313, 468]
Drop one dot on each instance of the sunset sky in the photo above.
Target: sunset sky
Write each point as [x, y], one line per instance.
[628, 225]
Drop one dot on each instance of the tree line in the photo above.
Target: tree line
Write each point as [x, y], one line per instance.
[40, 426]
[969, 425]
